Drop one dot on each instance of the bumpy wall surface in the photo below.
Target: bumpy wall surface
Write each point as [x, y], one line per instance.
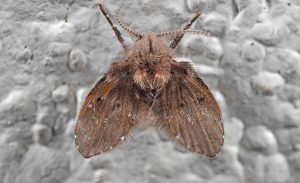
[52, 52]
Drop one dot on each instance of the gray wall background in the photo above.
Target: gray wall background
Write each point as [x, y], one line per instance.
[252, 66]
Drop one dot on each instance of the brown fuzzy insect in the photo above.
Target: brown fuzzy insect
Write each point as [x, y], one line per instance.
[149, 84]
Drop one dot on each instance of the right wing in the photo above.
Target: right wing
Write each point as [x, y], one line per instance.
[187, 111]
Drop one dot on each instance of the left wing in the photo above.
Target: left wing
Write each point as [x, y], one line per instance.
[109, 112]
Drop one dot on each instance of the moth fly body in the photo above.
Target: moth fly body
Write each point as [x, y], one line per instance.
[147, 83]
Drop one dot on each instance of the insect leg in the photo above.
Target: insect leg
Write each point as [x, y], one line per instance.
[180, 36]
[114, 28]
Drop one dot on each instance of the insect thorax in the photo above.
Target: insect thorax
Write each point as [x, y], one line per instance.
[151, 58]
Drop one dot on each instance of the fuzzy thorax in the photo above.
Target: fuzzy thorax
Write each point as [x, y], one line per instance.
[151, 58]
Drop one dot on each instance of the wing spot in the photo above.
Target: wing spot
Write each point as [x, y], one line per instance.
[154, 91]
[90, 106]
[122, 138]
[132, 116]
[101, 98]
[200, 99]
[189, 117]
[181, 104]
[166, 117]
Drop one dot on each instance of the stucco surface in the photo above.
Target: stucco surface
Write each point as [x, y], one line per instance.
[52, 53]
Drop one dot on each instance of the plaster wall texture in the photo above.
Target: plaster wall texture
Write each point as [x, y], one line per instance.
[52, 52]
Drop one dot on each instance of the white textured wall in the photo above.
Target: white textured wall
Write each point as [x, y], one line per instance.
[47, 65]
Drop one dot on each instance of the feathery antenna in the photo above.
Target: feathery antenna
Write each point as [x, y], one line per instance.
[114, 28]
[126, 28]
[200, 32]
[178, 38]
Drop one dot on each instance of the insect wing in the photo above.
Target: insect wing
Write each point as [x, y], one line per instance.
[108, 114]
[187, 111]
